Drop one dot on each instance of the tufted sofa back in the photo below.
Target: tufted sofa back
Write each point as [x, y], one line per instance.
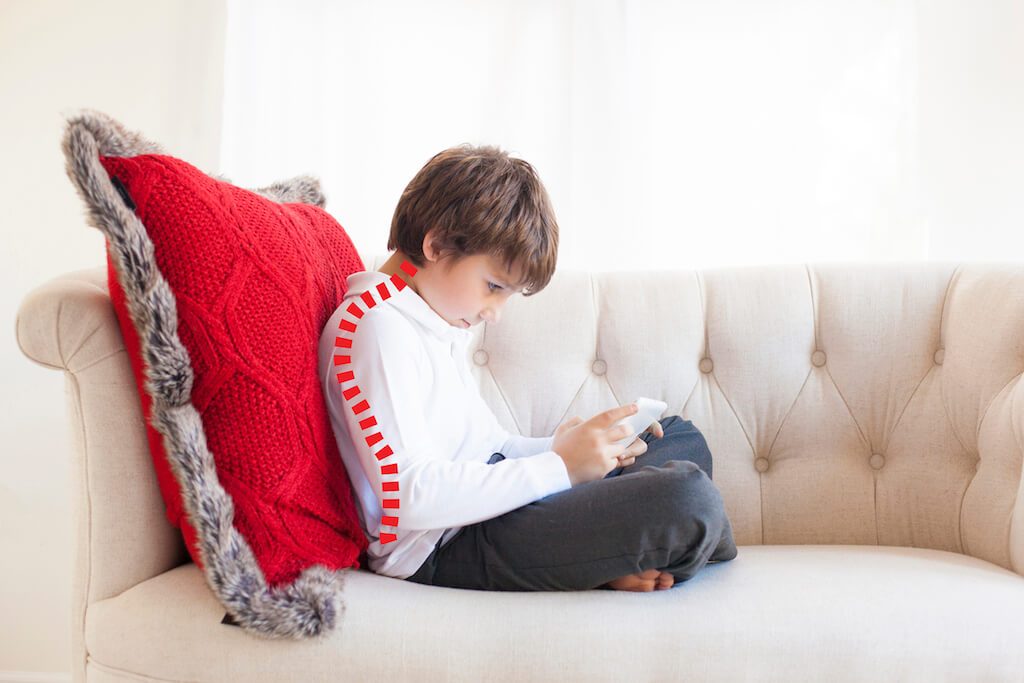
[875, 403]
[853, 403]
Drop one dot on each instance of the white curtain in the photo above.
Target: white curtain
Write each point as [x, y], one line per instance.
[669, 134]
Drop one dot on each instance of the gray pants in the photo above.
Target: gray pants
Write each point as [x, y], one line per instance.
[661, 512]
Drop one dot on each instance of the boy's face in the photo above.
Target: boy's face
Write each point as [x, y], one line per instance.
[464, 292]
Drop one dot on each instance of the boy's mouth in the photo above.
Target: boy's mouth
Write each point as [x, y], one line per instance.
[465, 323]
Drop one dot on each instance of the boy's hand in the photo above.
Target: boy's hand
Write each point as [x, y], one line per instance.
[567, 424]
[639, 446]
[588, 447]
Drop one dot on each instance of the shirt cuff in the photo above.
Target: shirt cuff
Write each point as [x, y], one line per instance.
[525, 446]
[558, 473]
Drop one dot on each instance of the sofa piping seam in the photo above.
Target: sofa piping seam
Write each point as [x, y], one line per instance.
[83, 608]
[118, 670]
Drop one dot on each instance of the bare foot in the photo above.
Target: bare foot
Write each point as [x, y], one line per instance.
[650, 580]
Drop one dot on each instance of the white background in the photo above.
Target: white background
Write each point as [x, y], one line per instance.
[669, 135]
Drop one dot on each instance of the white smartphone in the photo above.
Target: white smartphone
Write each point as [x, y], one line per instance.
[650, 411]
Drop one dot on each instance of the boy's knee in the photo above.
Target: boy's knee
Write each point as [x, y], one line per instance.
[670, 420]
[702, 445]
[691, 491]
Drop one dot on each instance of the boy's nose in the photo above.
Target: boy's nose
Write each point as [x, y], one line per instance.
[491, 316]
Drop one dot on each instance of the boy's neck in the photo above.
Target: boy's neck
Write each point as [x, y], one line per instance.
[393, 266]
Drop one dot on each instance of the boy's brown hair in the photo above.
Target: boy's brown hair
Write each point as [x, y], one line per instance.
[480, 200]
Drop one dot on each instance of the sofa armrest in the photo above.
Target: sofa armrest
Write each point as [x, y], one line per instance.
[68, 323]
[122, 535]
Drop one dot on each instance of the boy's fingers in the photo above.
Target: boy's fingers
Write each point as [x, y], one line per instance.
[638, 447]
[629, 456]
[613, 415]
[569, 423]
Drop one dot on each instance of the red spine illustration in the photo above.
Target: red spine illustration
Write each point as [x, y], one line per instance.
[371, 430]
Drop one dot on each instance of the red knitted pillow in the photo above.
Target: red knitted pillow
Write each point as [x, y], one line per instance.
[221, 294]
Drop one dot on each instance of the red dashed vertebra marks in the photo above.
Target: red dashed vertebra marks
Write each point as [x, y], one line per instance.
[368, 425]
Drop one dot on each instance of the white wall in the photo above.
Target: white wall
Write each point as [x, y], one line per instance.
[669, 134]
[971, 123]
[158, 67]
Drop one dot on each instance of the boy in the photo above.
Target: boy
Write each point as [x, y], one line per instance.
[472, 228]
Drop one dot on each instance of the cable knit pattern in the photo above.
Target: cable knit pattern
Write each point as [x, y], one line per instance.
[254, 281]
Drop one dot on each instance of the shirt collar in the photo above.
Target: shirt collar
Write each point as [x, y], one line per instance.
[409, 302]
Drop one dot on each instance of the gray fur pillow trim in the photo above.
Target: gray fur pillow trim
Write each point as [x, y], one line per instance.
[311, 605]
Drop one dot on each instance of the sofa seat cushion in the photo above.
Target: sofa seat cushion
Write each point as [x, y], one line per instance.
[853, 613]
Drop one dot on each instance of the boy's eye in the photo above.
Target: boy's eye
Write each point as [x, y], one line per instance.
[492, 286]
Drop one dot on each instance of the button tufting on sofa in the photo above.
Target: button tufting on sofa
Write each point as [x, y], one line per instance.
[818, 358]
[706, 365]
[599, 367]
[761, 464]
[480, 357]
[877, 460]
[940, 355]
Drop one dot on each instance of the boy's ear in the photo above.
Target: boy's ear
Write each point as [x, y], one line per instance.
[428, 245]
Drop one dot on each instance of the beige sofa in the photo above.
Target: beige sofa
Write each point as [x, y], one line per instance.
[867, 422]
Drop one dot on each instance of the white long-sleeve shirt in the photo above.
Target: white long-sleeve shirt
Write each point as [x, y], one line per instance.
[410, 365]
